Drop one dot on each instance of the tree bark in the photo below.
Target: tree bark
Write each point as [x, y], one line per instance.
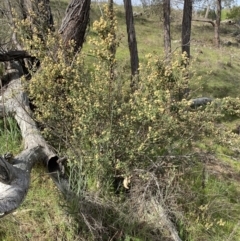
[186, 27]
[217, 23]
[112, 47]
[75, 23]
[132, 41]
[39, 14]
[166, 24]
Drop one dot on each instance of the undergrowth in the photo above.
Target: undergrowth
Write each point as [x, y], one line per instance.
[129, 148]
[133, 154]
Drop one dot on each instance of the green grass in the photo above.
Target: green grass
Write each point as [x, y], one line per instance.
[216, 206]
[41, 216]
[218, 68]
[10, 137]
[224, 13]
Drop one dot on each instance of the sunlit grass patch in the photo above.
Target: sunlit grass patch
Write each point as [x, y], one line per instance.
[42, 216]
[212, 206]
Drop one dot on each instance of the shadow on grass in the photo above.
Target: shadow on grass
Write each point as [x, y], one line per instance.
[106, 222]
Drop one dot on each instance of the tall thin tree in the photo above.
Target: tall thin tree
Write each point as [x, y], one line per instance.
[113, 44]
[186, 26]
[166, 27]
[132, 41]
[217, 23]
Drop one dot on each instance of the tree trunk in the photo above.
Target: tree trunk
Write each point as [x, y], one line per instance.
[217, 23]
[186, 27]
[207, 11]
[75, 23]
[166, 24]
[39, 14]
[132, 42]
[112, 47]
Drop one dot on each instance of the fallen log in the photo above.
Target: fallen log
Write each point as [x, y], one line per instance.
[205, 21]
[15, 175]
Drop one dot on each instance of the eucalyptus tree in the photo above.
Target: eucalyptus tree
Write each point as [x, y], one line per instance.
[161, 8]
[217, 23]
[132, 41]
[186, 26]
[166, 27]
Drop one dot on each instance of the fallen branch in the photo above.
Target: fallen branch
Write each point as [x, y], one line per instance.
[205, 21]
[13, 55]
[15, 176]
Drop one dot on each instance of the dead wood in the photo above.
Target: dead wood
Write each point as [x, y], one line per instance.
[13, 55]
[15, 176]
[205, 21]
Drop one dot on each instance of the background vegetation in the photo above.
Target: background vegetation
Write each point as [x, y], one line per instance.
[124, 167]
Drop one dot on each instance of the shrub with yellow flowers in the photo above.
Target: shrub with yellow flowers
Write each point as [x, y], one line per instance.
[107, 128]
[110, 130]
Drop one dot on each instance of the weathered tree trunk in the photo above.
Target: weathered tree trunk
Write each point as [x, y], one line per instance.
[202, 101]
[217, 23]
[75, 23]
[132, 41]
[166, 27]
[186, 26]
[205, 21]
[15, 175]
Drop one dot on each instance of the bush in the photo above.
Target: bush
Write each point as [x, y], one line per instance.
[111, 131]
[234, 13]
